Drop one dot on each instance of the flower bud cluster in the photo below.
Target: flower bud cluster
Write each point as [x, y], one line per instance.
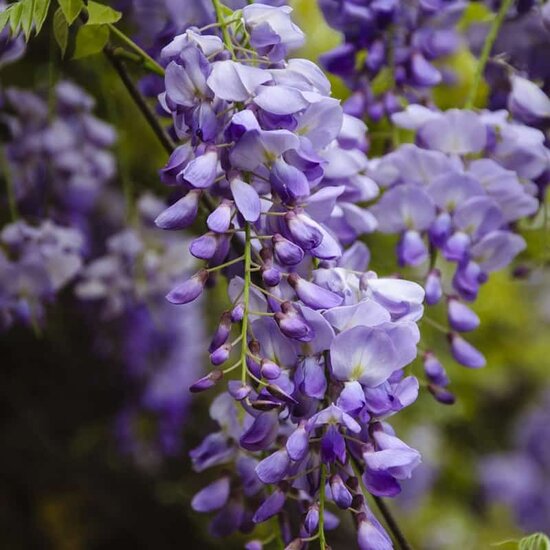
[389, 50]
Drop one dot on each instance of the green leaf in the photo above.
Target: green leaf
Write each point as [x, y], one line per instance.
[71, 9]
[60, 30]
[41, 8]
[90, 39]
[27, 13]
[99, 14]
[16, 11]
[536, 541]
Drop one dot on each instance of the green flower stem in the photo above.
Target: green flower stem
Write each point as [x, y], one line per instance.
[225, 31]
[246, 300]
[148, 61]
[321, 531]
[486, 51]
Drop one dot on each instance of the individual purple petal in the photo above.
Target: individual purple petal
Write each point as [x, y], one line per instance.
[246, 199]
[340, 493]
[351, 398]
[206, 382]
[363, 354]
[404, 207]
[220, 355]
[465, 354]
[433, 288]
[423, 73]
[441, 229]
[527, 101]
[450, 189]
[286, 252]
[305, 232]
[313, 295]
[456, 247]
[297, 444]
[311, 521]
[371, 535]
[467, 279]
[442, 395]
[497, 249]
[329, 248]
[271, 506]
[238, 390]
[228, 519]
[201, 171]
[393, 456]
[273, 468]
[189, 290]
[310, 378]
[204, 247]
[261, 433]
[288, 182]
[456, 131]
[271, 30]
[333, 445]
[181, 214]
[434, 370]
[403, 299]
[381, 483]
[234, 81]
[461, 317]
[219, 220]
[280, 100]
[293, 324]
[412, 249]
[212, 497]
[213, 450]
[270, 370]
[367, 313]
[258, 147]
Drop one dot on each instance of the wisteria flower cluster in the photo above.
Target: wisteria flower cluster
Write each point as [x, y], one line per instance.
[394, 44]
[271, 202]
[323, 343]
[58, 162]
[456, 194]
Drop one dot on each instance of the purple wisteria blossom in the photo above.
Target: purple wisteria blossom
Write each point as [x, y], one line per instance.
[64, 157]
[454, 198]
[389, 49]
[319, 344]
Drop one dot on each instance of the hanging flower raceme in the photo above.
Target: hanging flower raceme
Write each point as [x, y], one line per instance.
[454, 198]
[62, 155]
[319, 343]
[389, 50]
[161, 345]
